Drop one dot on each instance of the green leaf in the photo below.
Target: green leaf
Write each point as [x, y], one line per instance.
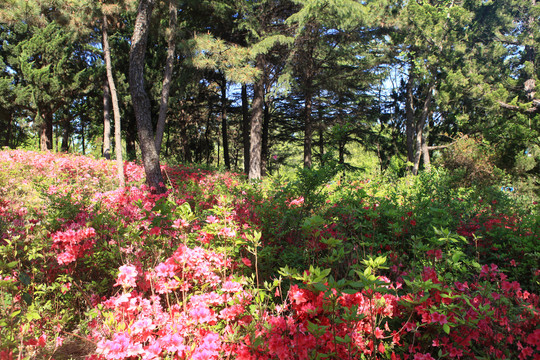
[320, 286]
[446, 328]
[24, 278]
[27, 298]
[456, 256]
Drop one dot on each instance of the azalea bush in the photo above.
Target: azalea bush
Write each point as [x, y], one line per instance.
[327, 265]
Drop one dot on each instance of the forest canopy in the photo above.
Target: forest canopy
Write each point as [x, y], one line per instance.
[256, 85]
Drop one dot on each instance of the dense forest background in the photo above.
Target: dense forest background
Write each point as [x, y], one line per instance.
[256, 86]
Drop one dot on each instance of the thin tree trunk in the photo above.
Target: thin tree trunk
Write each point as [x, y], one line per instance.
[420, 129]
[245, 128]
[257, 109]
[265, 130]
[308, 130]
[65, 136]
[116, 109]
[173, 10]
[184, 134]
[106, 120]
[409, 113]
[321, 145]
[131, 136]
[168, 141]
[141, 102]
[425, 152]
[83, 138]
[224, 126]
[321, 130]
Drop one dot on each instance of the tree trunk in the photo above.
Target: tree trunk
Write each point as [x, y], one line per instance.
[116, 109]
[65, 135]
[257, 109]
[341, 151]
[321, 129]
[131, 136]
[141, 102]
[7, 117]
[106, 120]
[83, 138]
[46, 132]
[265, 129]
[409, 113]
[245, 127]
[173, 10]
[420, 130]
[308, 130]
[184, 121]
[224, 131]
[425, 152]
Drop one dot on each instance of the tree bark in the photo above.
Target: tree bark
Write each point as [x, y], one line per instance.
[224, 126]
[83, 138]
[141, 102]
[321, 129]
[64, 147]
[425, 152]
[264, 141]
[116, 109]
[171, 43]
[46, 132]
[245, 128]
[106, 120]
[409, 114]
[420, 140]
[257, 109]
[7, 117]
[308, 130]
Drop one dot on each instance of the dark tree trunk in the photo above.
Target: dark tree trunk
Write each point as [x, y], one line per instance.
[341, 151]
[7, 118]
[184, 121]
[207, 134]
[83, 137]
[257, 109]
[116, 108]
[173, 10]
[131, 136]
[265, 130]
[65, 135]
[141, 102]
[224, 126]
[308, 129]
[321, 131]
[245, 128]
[321, 145]
[46, 132]
[106, 120]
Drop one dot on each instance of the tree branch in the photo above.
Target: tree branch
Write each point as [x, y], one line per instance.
[532, 110]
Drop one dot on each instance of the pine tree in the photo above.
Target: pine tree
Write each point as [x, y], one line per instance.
[141, 102]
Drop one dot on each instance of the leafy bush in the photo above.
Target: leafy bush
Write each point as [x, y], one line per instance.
[321, 267]
[471, 162]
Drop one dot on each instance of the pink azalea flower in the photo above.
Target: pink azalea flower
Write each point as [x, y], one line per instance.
[126, 277]
[296, 202]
